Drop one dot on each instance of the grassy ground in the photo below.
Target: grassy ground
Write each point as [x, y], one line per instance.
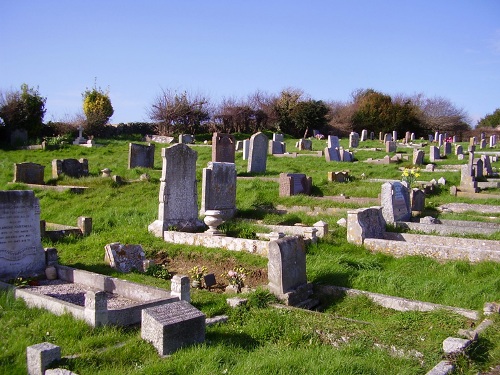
[351, 336]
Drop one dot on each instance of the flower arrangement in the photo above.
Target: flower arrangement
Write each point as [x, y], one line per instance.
[236, 276]
[196, 273]
[410, 175]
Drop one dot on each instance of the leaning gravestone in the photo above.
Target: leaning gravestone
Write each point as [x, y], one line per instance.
[29, 173]
[141, 155]
[294, 183]
[178, 208]
[172, 326]
[125, 258]
[287, 270]
[395, 201]
[257, 154]
[70, 167]
[223, 148]
[21, 251]
[418, 157]
[219, 189]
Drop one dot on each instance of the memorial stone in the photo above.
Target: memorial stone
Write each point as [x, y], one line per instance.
[239, 146]
[394, 135]
[332, 154]
[408, 137]
[278, 137]
[141, 155]
[381, 136]
[21, 250]
[125, 258]
[387, 138]
[482, 144]
[440, 140]
[487, 169]
[333, 141]
[395, 201]
[447, 148]
[431, 138]
[257, 155]
[304, 144]
[372, 136]
[246, 149]
[353, 140]
[479, 168]
[223, 148]
[277, 148]
[417, 199]
[459, 150]
[294, 183]
[433, 154]
[418, 157]
[364, 135]
[390, 146]
[365, 223]
[186, 138]
[29, 173]
[219, 189]
[70, 167]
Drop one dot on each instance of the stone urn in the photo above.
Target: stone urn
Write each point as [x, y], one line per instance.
[213, 218]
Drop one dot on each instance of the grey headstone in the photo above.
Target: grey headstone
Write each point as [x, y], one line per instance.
[459, 150]
[246, 149]
[141, 155]
[434, 153]
[257, 156]
[305, 144]
[365, 223]
[219, 189]
[29, 173]
[447, 148]
[278, 137]
[277, 148]
[21, 250]
[172, 326]
[223, 148]
[487, 169]
[294, 183]
[186, 138]
[332, 154]
[70, 167]
[390, 146]
[418, 157]
[395, 200]
[286, 265]
[125, 258]
[353, 140]
[364, 135]
[417, 198]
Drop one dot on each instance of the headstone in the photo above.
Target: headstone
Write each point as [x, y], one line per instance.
[479, 168]
[84, 223]
[387, 138]
[159, 139]
[395, 201]
[364, 135]
[447, 148]
[29, 173]
[80, 140]
[472, 141]
[468, 182]
[418, 157]
[412, 136]
[381, 136]
[338, 176]
[440, 140]
[407, 137]
[21, 250]
[239, 146]
[125, 258]
[345, 155]
[186, 138]
[493, 140]
[430, 167]
[431, 138]
[417, 199]
[223, 148]
[70, 167]
[141, 155]
[278, 137]
[441, 181]
[460, 157]
[287, 270]
[178, 207]
[487, 169]
[372, 136]
[172, 326]
[246, 149]
[332, 154]
[277, 148]
[353, 140]
[304, 144]
[482, 144]
[40, 357]
[294, 183]
[433, 154]
[333, 141]
[394, 135]
[257, 155]
[180, 287]
[365, 223]
[219, 189]
[436, 137]
[459, 150]
[390, 146]
[471, 148]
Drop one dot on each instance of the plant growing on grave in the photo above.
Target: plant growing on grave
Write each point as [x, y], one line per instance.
[196, 273]
[20, 282]
[236, 276]
[159, 271]
[410, 175]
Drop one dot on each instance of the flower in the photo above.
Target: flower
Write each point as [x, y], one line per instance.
[197, 272]
[410, 175]
[236, 276]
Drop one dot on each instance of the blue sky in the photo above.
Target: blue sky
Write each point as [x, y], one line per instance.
[230, 48]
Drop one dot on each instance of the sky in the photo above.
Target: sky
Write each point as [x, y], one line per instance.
[232, 49]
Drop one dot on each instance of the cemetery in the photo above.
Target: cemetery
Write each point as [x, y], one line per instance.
[390, 262]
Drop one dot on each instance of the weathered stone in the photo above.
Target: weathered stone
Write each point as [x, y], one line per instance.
[304, 144]
[353, 140]
[294, 183]
[125, 258]
[417, 199]
[41, 356]
[223, 148]
[454, 345]
[395, 202]
[434, 154]
[365, 223]
[390, 146]
[418, 157]
[29, 173]
[141, 155]
[257, 156]
[70, 167]
[219, 189]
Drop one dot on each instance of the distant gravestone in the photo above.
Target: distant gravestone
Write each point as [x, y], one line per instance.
[447, 148]
[345, 155]
[408, 137]
[353, 140]
[493, 140]
[239, 146]
[125, 258]
[372, 136]
[287, 270]
[29, 173]
[395, 201]
[482, 144]
[70, 167]
[440, 140]
[21, 251]
[417, 199]
[390, 146]
[479, 168]
[364, 135]
[304, 144]
[333, 141]
[278, 137]
[487, 170]
[178, 208]
[223, 148]
[394, 135]
[219, 189]
[172, 326]
[338, 176]
[141, 155]
[434, 154]
[277, 148]
[381, 136]
[186, 138]
[459, 150]
[257, 155]
[294, 183]
[332, 154]
[418, 157]
[387, 138]
[472, 141]
[246, 149]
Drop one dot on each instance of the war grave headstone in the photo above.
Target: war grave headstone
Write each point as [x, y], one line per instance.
[29, 173]
[418, 157]
[353, 140]
[178, 197]
[395, 201]
[172, 326]
[294, 183]
[219, 189]
[223, 148]
[287, 270]
[433, 154]
[125, 258]
[141, 155]
[390, 146]
[304, 144]
[70, 167]
[21, 251]
[257, 155]
[186, 138]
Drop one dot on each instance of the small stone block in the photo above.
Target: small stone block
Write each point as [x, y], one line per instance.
[471, 335]
[454, 345]
[216, 320]
[236, 301]
[209, 280]
[491, 308]
[173, 325]
[41, 356]
[442, 368]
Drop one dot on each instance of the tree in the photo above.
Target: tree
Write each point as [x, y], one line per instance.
[180, 113]
[490, 121]
[283, 107]
[97, 109]
[441, 115]
[23, 109]
[309, 114]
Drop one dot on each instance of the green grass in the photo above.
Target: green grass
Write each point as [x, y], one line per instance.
[351, 336]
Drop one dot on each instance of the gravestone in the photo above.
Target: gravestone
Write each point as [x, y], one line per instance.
[447, 148]
[332, 154]
[141, 155]
[239, 146]
[70, 167]
[257, 155]
[353, 140]
[41, 356]
[418, 157]
[278, 137]
[29, 173]
[333, 141]
[372, 136]
[472, 141]
[417, 199]
[482, 144]
[178, 207]
[431, 138]
[408, 137]
[338, 176]
[468, 182]
[246, 149]
[219, 189]
[471, 148]
[387, 138]
[479, 168]
[381, 136]
[125, 258]
[186, 138]
[412, 137]
[345, 155]
[487, 170]
[304, 144]
[364, 135]
[294, 183]
[287, 270]
[395, 201]
[433, 154]
[459, 150]
[440, 140]
[21, 251]
[493, 140]
[223, 148]
[365, 223]
[172, 326]
[390, 146]
[277, 148]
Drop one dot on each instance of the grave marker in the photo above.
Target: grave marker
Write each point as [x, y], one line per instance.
[70, 167]
[223, 148]
[294, 183]
[219, 189]
[125, 258]
[29, 173]
[257, 156]
[395, 201]
[141, 155]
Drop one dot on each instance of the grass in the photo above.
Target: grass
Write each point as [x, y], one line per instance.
[351, 336]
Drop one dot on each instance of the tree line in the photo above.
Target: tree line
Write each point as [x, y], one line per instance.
[291, 112]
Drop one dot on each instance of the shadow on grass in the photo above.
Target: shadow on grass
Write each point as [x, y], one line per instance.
[241, 340]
